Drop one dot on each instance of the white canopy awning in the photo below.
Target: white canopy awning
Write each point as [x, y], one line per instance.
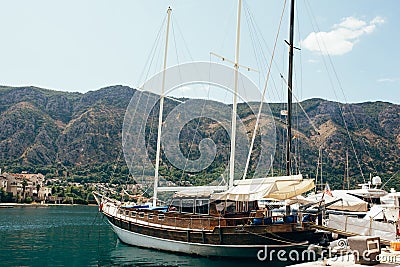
[348, 202]
[290, 189]
[280, 188]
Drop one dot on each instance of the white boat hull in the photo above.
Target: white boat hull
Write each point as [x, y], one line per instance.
[207, 250]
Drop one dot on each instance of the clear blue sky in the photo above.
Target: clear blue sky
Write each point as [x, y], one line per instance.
[85, 45]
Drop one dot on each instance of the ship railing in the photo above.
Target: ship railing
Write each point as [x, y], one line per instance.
[201, 222]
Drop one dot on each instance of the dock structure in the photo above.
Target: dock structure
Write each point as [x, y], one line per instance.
[344, 233]
[358, 251]
[348, 260]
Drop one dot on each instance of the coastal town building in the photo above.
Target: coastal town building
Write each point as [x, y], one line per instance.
[23, 185]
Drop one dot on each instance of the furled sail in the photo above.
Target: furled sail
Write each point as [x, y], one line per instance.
[280, 188]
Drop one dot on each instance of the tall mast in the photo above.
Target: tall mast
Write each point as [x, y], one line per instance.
[233, 130]
[160, 115]
[290, 76]
[322, 180]
[346, 181]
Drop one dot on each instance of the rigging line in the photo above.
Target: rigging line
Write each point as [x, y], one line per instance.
[222, 180]
[258, 49]
[149, 63]
[390, 179]
[263, 94]
[194, 136]
[143, 132]
[196, 130]
[94, 220]
[252, 40]
[317, 170]
[297, 140]
[282, 121]
[142, 94]
[227, 22]
[188, 155]
[257, 28]
[300, 53]
[153, 49]
[315, 25]
[160, 56]
[152, 124]
[260, 39]
[297, 143]
[176, 48]
[257, 39]
[344, 96]
[302, 108]
[281, 239]
[183, 39]
[362, 139]
[114, 167]
[197, 126]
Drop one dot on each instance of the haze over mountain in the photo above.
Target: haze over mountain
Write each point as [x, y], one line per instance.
[79, 135]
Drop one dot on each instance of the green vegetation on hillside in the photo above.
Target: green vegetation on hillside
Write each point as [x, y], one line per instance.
[77, 138]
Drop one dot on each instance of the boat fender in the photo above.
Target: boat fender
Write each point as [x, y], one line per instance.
[101, 207]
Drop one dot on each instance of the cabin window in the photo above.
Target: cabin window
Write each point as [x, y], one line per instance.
[141, 214]
[161, 217]
[133, 213]
[127, 213]
[202, 206]
[245, 206]
[188, 205]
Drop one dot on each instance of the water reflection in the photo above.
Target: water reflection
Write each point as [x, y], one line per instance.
[80, 236]
[134, 256]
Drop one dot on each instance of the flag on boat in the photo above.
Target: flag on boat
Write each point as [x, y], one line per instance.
[328, 190]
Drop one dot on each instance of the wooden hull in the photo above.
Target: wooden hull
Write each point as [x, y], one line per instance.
[222, 242]
[204, 235]
[207, 250]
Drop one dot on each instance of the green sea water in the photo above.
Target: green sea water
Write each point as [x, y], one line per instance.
[80, 236]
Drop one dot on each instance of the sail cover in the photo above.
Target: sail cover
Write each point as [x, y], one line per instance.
[280, 188]
[347, 203]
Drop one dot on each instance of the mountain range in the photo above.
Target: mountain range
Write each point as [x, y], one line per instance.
[79, 135]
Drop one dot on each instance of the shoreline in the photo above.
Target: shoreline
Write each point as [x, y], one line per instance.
[12, 205]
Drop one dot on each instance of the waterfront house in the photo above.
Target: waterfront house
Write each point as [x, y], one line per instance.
[25, 185]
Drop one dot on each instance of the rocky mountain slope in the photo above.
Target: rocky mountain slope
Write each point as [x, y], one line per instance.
[80, 134]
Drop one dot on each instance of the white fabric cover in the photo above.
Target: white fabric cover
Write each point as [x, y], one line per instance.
[280, 188]
[354, 225]
[287, 190]
[348, 203]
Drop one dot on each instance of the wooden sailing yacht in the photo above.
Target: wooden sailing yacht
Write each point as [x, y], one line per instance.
[226, 223]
